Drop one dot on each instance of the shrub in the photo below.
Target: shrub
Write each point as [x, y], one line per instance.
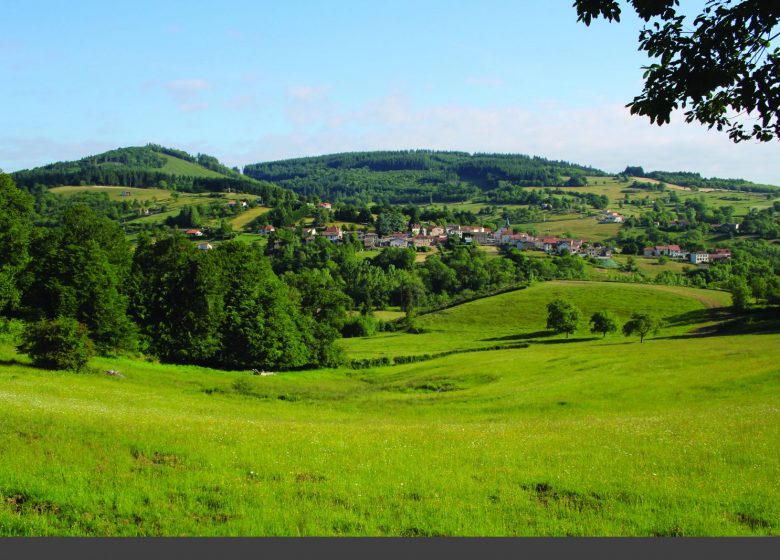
[59, 344]
[360, 325]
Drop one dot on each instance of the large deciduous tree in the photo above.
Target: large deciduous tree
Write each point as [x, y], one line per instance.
[15, 228]
[603, 322]
[722, 67]
[642, 324]
[562, 317]
[79, 270]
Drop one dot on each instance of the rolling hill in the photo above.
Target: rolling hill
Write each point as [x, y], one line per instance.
[150, 166]
[419, 176]
[427, 176]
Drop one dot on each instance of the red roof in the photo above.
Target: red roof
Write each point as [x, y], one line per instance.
[192, 232]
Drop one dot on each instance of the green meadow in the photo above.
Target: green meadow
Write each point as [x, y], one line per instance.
[540, 435]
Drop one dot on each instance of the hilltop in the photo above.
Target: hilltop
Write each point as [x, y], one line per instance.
[427, 176]
[150, 166]
[415, 176]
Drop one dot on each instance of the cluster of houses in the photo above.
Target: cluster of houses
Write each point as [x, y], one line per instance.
[695, 257]
[428, 235]
[612, 218]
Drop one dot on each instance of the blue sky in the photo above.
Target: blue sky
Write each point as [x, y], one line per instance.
[256, 81]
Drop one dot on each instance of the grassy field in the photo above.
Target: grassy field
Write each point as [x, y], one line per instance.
[580, 227]
[115, 193]
[172, 203]
[176, 166]
[520, 316]
[591, 436]
[244, 218]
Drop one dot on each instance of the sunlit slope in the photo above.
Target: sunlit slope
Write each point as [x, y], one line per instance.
[674, 436]
[521, 316]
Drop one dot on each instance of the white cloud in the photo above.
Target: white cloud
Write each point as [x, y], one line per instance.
[186, 94]
[25, 153]
[193, 107]
[306, 93]
[604, 136]
[241, 102]
[187, 87]
[484, 81]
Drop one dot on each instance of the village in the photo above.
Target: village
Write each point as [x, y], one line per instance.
[425, 236]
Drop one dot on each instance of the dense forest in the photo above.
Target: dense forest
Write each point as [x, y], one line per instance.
[696, 181]
[420, 176]
[149, 166]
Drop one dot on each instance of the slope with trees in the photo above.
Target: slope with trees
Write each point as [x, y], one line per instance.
[413, 176]
[149, 166]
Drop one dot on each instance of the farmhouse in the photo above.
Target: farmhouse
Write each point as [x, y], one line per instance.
[332, 233]
[422, 241]
[267, 230]
[612, 218]
[194, 232]
[370, 240]
[326, 205]
[401, 242]
[204, 247]
[671, 251]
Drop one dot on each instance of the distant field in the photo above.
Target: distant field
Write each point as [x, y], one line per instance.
[247, 216]
[581, 227]
[387, 315]
[115, 193]
[673, 437]
[176, 166]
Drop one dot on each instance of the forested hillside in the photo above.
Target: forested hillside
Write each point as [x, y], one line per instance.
[417, 176]
[149, 166]
[695, 180]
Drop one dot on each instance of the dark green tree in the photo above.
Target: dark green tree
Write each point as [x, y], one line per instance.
[263, 325]
[740, 292]
[60, 343]
[80, 270]
[642, 324]
[177, 299]
[603, 322]
[562, 317]
[15, 229]
[721, 66]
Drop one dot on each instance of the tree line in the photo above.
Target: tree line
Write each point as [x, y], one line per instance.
[412, 176]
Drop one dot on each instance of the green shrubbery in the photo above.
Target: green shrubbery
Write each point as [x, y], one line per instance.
[58, 344]
[360, 325]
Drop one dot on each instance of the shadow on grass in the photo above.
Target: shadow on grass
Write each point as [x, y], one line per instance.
[762, 321]
[16, 362]
[539, 337]
[519, 336]
[566, 340]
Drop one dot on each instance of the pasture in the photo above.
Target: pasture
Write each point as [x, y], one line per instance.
[586, 436]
